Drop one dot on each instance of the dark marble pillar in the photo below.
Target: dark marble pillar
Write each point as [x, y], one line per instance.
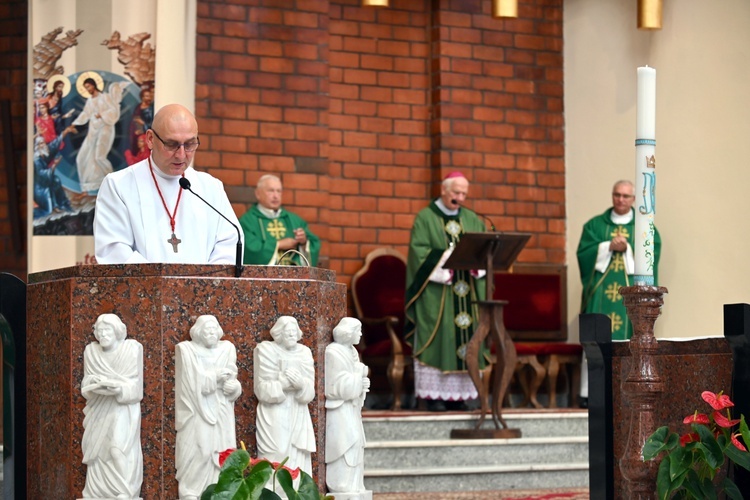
[642, 387]
[158, 303]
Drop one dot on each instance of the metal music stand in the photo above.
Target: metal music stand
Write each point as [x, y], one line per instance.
[491, 252]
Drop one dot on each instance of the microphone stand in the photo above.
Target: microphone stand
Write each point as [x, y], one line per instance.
[492, 226]
[185, 184]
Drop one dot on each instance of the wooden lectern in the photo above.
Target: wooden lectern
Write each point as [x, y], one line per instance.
[491, 252]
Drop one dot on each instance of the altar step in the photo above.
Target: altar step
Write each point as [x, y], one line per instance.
[414, 453]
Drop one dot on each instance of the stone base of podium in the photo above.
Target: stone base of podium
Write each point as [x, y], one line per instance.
[158, 303]
[485, 433]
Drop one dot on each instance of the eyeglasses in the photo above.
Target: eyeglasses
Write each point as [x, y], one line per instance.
[620, 195]
[174, 146]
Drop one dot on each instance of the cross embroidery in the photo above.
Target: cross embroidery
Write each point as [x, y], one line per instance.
[174, 242]
[276, 229]
[613, 292]
[618, 263]
[616, 321]
[620, 231]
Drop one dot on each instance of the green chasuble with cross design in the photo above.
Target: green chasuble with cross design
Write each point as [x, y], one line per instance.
[601, 290]
[262, 235]
[441, 318]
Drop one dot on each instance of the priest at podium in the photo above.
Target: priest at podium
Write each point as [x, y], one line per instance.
[143, 214]
[441, 315]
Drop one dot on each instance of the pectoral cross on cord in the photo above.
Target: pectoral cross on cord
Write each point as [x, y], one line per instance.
[174, 241]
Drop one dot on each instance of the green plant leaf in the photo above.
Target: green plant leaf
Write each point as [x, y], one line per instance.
[731, 489]
[741, 458]
[656, 443]
[712, 452]
[308, 490]
[679, 462]
[287, 483]
[744, 431]
[267, 494]
[663, 483]
[206, 495]
[698, 488]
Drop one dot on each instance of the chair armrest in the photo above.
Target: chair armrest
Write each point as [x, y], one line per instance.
[390, 324]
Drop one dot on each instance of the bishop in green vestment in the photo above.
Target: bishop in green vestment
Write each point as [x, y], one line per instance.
[605, 260]
[440, 312]
[271, 231]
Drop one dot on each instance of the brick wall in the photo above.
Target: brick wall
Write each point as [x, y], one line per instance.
[13, 53]
[391, 100]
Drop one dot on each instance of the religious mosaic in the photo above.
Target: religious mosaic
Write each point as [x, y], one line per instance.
[86, 124]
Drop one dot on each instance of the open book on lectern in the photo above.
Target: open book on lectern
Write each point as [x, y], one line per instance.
[490, 251]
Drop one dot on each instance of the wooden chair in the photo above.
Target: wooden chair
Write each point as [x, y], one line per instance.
[378, 294]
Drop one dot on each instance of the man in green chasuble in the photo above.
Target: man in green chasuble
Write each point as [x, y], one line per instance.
[271, 231]
[441, 315]
[605, 259]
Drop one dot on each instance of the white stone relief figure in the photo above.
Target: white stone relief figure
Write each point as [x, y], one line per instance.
[113, 387]
[346, 386]
[284, 381]
[206, 388]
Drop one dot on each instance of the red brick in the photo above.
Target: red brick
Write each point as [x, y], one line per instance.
[361, 77]
[265, 15]
[377, 125]
[352, 44]
[226, 44]
[378, 156]
[301, 148]
[276, 65]
[377, 94]
[360, 203]
[264, 113]
[239, 127]
[268, 146]
[277, 130]
[312, 133]
[345, 59]
[275, 164]
[360, 139]
[410, 65]
[359, 171]
[341, 27]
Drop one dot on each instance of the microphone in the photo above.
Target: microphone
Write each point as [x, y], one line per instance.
[492, 226]
[185, 184]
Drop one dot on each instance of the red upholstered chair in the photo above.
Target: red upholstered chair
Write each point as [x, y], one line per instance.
[535, 318]
[378, 294]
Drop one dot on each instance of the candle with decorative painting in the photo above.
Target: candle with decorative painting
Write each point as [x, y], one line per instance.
[645, 176]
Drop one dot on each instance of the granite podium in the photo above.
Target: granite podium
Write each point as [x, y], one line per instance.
[158, 303]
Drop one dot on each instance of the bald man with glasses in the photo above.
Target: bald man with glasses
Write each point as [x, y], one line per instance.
[142, 214]
[605, 259]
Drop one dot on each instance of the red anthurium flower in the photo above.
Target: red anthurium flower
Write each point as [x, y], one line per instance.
[224, 454]
[696, 418]
[723, 421]
[292, 472]
[689, 438]
[717, 401]
[739, 445]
